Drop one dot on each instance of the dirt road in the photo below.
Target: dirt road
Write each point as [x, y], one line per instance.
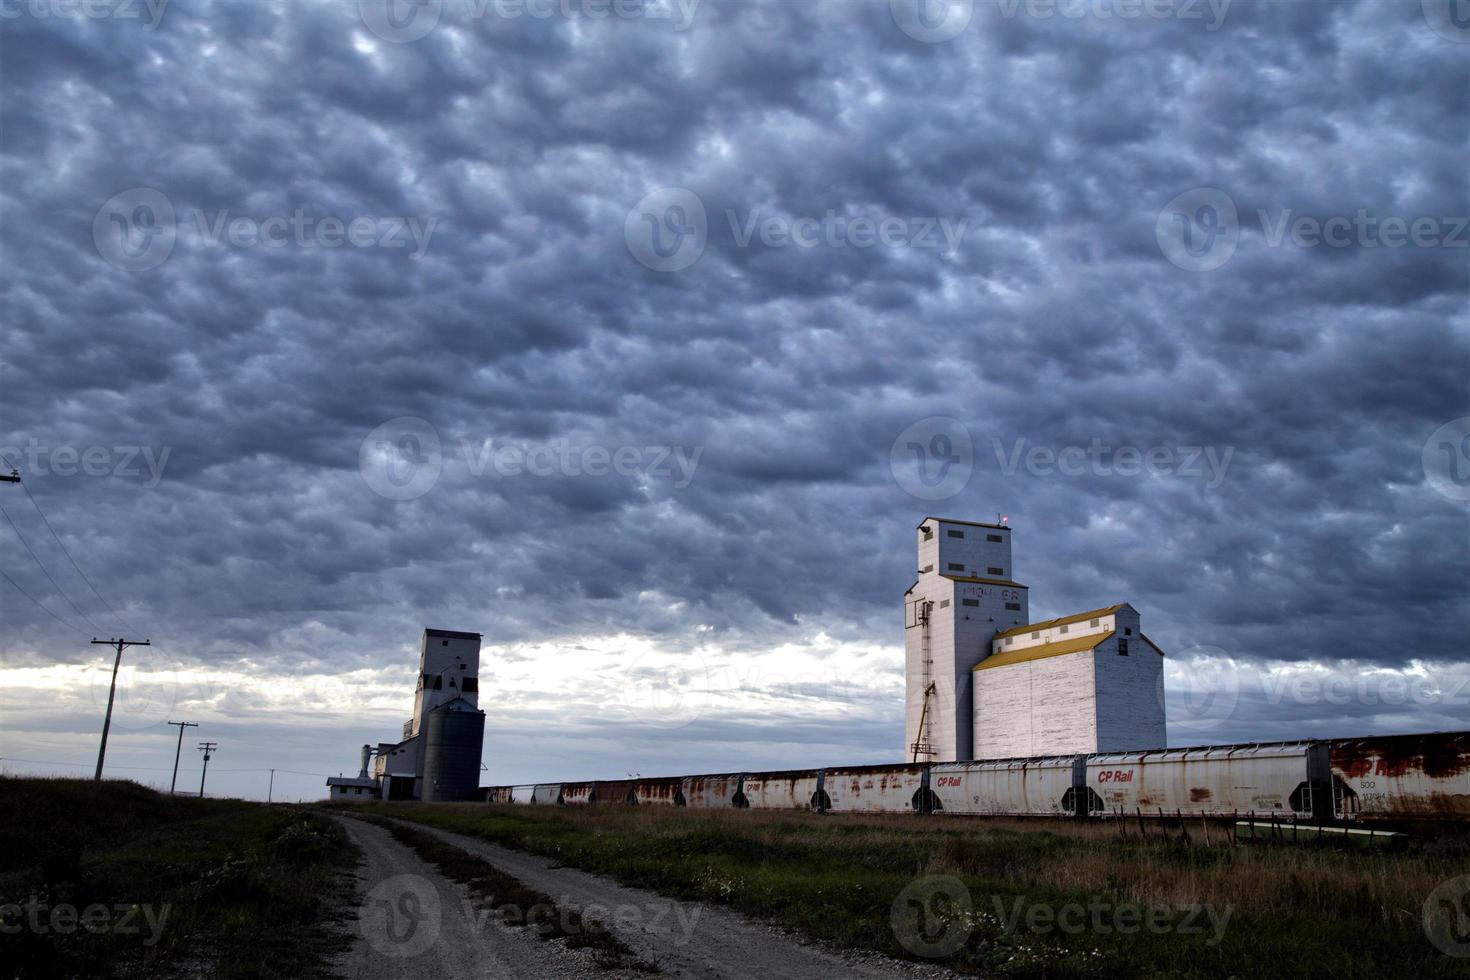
[685, 939]
[412, 922]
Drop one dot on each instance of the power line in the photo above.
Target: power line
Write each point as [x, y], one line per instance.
[85, 765]
[44, 520]
[65, 551]
[75, 629]
[39, 565]
[78, 765]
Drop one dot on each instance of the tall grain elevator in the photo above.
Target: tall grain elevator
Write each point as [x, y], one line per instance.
[438, 757]
[447, 721]
[964, 596]
[984, 682]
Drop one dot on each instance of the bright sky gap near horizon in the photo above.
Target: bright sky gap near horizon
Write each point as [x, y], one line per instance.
[640, 343]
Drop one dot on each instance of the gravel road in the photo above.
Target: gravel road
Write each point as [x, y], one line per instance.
[685, 939]
[412, 922]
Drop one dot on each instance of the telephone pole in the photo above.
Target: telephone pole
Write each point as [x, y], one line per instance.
[206, 748]
[111, 692]
[177, 749]
[272, 788]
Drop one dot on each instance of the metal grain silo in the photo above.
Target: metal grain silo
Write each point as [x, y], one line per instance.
[453, 740]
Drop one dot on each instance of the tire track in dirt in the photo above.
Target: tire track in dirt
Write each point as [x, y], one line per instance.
[413, 923]
[686, 939]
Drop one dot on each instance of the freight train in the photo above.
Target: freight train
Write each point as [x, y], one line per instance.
[1382, 778]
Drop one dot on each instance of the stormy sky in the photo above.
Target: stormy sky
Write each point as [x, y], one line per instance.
[638, 337]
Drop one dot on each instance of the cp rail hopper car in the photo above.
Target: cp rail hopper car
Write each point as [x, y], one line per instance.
[1390, 778]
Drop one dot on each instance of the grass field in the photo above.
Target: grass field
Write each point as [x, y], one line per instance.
[114, 879]
[1011, 898]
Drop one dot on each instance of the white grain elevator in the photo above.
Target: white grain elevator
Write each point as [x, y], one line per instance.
[984, 682]
[965, 594]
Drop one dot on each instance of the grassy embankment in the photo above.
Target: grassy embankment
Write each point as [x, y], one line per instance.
[1314, 912]
[114, 879]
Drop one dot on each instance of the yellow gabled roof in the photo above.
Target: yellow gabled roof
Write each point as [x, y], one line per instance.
[1043, 650]
[1060, 621]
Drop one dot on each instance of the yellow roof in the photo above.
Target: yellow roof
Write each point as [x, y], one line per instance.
[1043, 650]
[1060, 621]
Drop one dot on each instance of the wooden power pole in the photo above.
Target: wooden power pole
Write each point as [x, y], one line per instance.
[177, 749]
[112, 692]
[206, 748]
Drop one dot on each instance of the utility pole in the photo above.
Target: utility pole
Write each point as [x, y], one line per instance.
[206, 748]
[271, 789]
[111, 692]
[177, 749]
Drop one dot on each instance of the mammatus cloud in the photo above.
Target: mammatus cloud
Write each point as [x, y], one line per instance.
[640, 343]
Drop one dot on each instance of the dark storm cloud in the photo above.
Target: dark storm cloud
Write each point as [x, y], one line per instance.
[518, 314]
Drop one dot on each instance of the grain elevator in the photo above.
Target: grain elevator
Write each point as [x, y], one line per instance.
[983, 682]
[438, 756]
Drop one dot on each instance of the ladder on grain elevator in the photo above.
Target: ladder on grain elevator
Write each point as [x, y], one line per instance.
[923, 743]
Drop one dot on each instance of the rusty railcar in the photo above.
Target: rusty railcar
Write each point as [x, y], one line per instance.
[496, 794]
[1425, 776]
[875, 789]
[576, 794]
[665, 791]
[1268, 779]
[612, 791]
[712, 791]
[791, 789]
[522, 794]
[1049, 786]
